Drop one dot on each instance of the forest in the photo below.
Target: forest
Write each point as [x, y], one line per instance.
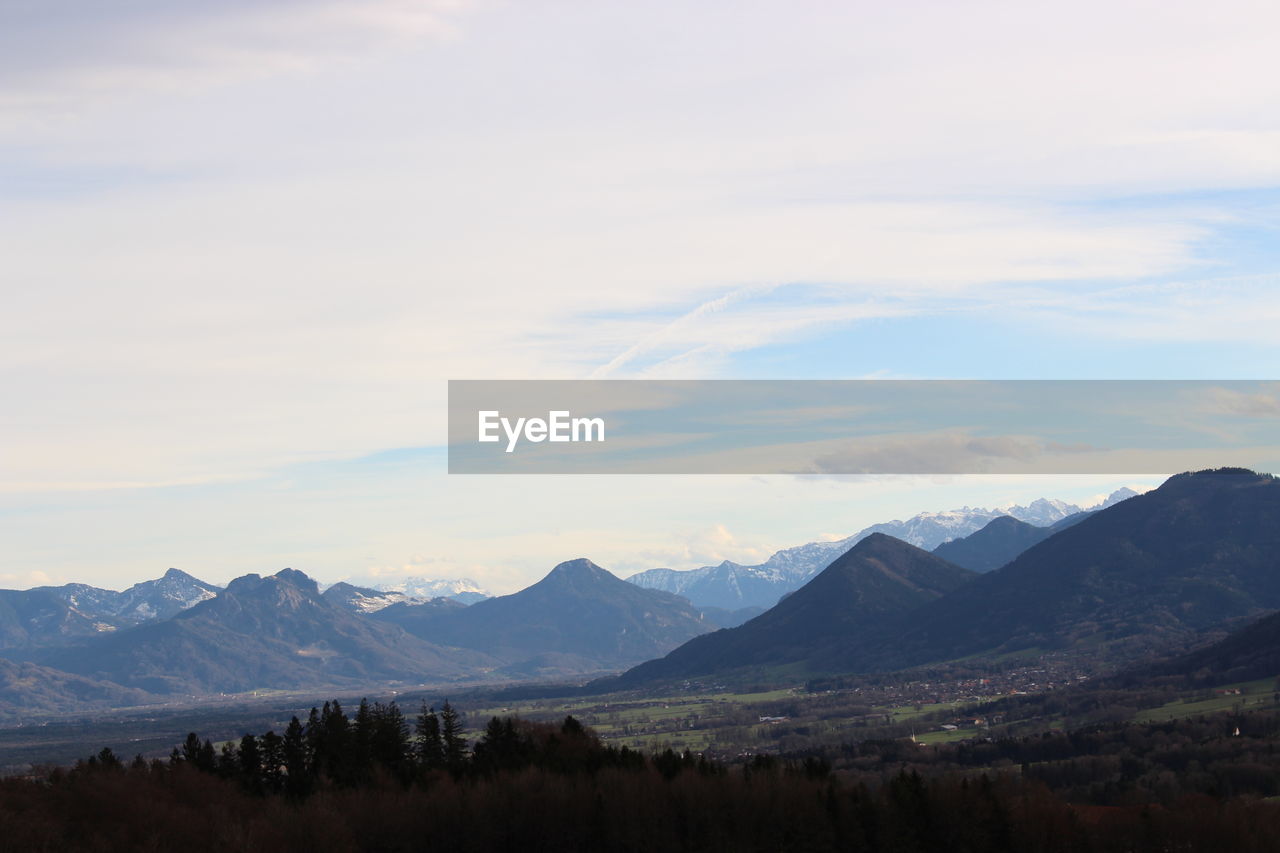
[375, 780]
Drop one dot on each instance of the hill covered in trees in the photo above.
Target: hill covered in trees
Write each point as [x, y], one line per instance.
[373, 781]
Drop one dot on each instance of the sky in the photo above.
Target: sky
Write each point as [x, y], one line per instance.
[244, 245]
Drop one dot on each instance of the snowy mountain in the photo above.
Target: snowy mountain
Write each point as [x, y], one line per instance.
[163, 598]
[462, 589]
[360, 599]
[730, 585]
[53, 615]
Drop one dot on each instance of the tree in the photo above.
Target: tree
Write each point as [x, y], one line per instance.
[297, 761]
[191, 748]
[251, 762]
[455, 745]
[430, 746]
[501, 747]
[389, 744]
[272, 746]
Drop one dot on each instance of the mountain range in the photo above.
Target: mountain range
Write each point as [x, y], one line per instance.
[275, 632]
[57, 615]
[732, 586]
[461, 589]
[871, 586]
[281, 633]
[1179, 564]
[1201, 551]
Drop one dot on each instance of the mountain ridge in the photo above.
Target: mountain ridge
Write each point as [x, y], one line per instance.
[732, 586]
[874, 582]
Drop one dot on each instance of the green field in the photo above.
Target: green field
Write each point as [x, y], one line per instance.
[1253, 694]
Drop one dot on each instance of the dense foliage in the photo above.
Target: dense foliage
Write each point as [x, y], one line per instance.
[374, 781]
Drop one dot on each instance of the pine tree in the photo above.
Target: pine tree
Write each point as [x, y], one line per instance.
[272, 761]
[251, 763]
[297, 762]
[229, 761]
[331, 752]
[207, 760]
[107, 759]
[191, 748]
[430, 747]
[390, 742]
[360, 741]
[455, 745]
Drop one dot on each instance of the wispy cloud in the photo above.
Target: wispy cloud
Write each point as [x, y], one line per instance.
[251, 232]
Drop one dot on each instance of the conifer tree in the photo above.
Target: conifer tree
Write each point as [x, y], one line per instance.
[207, 760]
[191, 748]
[390, 742]
[455, 745]
[430, 746]
[272, 746]
[229, 761]
[251, 762]
[360, 741]
[297, 762]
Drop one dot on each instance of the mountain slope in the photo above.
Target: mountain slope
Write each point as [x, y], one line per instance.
[276, 632]
[874, 584]
[994, 545]
[1251, 653]
[29, 689]
[1200, 550]
[52, 616]
[578, 610]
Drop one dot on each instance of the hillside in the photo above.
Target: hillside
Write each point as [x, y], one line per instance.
[1202, 549]
[869, 587]
[28, 689]
[1251, 653]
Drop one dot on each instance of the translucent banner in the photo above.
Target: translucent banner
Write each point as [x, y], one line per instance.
[861, 426]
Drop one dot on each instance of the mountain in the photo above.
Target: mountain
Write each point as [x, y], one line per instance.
[872, 585]
[273, 632]
[417, 616]
[721, 618]
[994, 545]
[360, 599]
[1249, 654]
[462, 589]
[163, 598]
[577, 618]
[732, 586]
[58, 615]
[28, 689]
[1202, 549]
[50, 616]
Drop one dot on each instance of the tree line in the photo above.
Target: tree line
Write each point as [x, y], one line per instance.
[375, 781]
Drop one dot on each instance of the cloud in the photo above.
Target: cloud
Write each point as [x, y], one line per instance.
[255, 232]
[947, 453]
[26, 580]
[1226, 401]
[64, 55]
